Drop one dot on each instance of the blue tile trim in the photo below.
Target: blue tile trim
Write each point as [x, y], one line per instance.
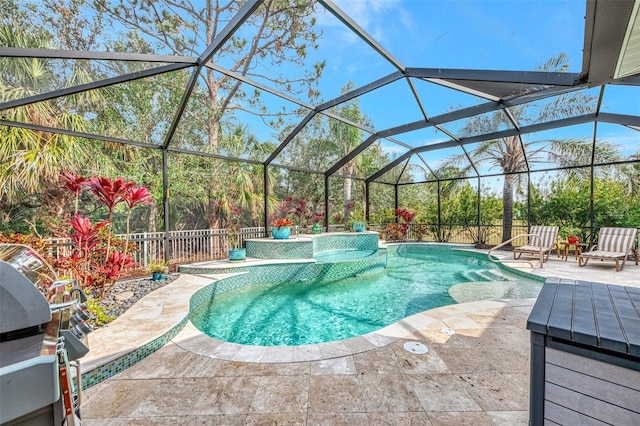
[105, 371]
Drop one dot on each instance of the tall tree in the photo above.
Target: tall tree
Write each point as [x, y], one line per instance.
[510, 154]
[272, 44]
[345, 138]
[31, 160]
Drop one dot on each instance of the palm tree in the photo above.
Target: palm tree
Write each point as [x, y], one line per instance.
[508, 154]
[345, 138]
[31, 160]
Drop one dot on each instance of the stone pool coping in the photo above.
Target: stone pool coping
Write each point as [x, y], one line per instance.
[162, 316]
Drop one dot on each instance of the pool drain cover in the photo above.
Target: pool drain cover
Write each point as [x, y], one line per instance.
[416, 348]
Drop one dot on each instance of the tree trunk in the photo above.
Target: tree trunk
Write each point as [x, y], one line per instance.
[348, 171]
[214, 213]
[153, 212]
[507, 207]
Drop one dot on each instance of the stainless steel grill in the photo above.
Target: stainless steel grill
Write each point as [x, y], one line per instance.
[43, 334]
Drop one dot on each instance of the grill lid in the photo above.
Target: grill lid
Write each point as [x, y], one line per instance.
[22, 274]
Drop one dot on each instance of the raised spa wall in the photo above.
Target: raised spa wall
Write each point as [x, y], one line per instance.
[299, 248]
[307, 246]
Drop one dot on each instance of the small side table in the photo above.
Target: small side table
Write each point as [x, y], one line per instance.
[576, 247]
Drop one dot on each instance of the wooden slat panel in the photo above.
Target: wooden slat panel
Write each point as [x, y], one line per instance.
[592, 387]
[611, 336]
[539, 316]
[602, 370]
[628, 316]
[562, 312]
[562, 416]
[589, 408]
[584, 322]
[634, 295]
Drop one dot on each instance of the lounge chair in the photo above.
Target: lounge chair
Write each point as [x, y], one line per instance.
[613, 244]
[548, 235]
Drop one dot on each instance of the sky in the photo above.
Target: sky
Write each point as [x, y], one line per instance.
[515, 35]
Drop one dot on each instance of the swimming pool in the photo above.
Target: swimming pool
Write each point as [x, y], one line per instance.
[315, 311]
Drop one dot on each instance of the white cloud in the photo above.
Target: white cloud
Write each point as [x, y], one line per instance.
[371, 15]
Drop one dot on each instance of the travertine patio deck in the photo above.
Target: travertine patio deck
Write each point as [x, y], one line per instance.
[476, 371]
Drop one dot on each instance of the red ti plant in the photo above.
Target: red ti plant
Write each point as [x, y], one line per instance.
[317, 218]
[74, 183]
[300, 211]
[405, 215]
[399, 231]
[92, 261]
[111, 193]
[115, 265]
[285, 208]
[86, 234]
[85, 253]
[135, 196]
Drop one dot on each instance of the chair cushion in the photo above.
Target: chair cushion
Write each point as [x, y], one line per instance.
[532, 249]
[604, 254]
[616, 239]
[548, 235]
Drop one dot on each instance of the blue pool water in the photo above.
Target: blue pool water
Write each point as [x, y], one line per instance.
[321, 311]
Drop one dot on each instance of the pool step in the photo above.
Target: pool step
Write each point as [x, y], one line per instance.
[482, 275]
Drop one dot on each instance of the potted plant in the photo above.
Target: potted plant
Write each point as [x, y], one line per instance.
[234, 234]
[357, 221]
[358, 226]
[158, 271]
[317, 228]
[281, 228]
[236, 252]
[570, 234]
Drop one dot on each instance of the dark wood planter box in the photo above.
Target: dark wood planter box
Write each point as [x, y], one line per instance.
[585, 354]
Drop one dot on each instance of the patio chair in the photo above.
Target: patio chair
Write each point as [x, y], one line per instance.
[548, 235]
[613, 244]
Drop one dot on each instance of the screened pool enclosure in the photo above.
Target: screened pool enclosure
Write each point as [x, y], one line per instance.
[485, 116]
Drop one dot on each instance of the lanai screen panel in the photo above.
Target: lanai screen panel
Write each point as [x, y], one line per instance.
[302, 50]
[447, 163]
[225, 116]
[625, 140]
[393, 175]
[374, 157]
[201, 190]
[619, 99]
[339, 201]
[184, 29]
[382, 205]
[299, 186]
[418, 171]
[139, 110]
[34, 76]
[478, 124]
[572, 104]
[388, 106]
[423, 137]
[321, 143]
[439, 99]
[560, 148]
